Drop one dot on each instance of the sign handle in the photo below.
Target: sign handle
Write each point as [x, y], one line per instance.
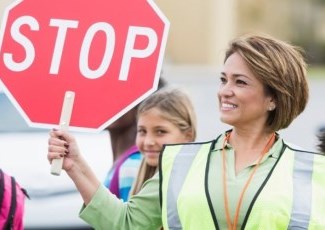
[56, 166]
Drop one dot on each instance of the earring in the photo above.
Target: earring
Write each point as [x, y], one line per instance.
[272, 107]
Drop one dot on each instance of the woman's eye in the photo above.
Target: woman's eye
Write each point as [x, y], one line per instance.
[241, 82]
[223, 80]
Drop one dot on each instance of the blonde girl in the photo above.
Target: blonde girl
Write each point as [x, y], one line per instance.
[166, 117]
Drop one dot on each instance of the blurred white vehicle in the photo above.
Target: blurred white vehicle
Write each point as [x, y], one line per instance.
[54, 202]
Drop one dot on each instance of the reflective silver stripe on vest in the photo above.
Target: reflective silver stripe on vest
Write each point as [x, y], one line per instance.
[181, 166]
[302, 190]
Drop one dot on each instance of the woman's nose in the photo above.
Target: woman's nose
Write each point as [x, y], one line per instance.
[226, 90]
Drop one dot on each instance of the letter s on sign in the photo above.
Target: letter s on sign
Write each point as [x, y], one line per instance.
[24, 41]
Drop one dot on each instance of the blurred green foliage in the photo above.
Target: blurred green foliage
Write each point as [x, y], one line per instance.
[316, 71]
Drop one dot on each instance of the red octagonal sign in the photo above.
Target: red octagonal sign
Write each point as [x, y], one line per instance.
[108, 52]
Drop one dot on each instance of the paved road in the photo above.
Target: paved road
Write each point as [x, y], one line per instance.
[201, 84]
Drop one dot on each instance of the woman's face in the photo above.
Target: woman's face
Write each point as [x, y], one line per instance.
[242, 99]
[154, 131]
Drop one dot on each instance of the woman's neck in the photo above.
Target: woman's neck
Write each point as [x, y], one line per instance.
[248, 146]
[249, 139]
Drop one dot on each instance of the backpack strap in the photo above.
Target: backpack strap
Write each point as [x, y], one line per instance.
[13, 205]
[114, 186]
[2, 187]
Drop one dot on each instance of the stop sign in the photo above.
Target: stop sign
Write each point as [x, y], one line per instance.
[108, 52]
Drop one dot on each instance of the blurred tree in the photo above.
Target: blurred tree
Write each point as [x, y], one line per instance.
[299, 21]
[308, 32]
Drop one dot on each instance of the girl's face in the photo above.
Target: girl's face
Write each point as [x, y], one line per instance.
[153, 131]
[242, 98]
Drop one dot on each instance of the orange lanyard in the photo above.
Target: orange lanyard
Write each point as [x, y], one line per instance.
[232, 226]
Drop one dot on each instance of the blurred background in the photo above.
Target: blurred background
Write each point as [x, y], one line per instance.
[200, 30]
[199, 33]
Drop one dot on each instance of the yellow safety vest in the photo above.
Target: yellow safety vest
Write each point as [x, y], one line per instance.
[291, 197]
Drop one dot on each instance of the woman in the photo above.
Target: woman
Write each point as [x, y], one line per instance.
[248, 178]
